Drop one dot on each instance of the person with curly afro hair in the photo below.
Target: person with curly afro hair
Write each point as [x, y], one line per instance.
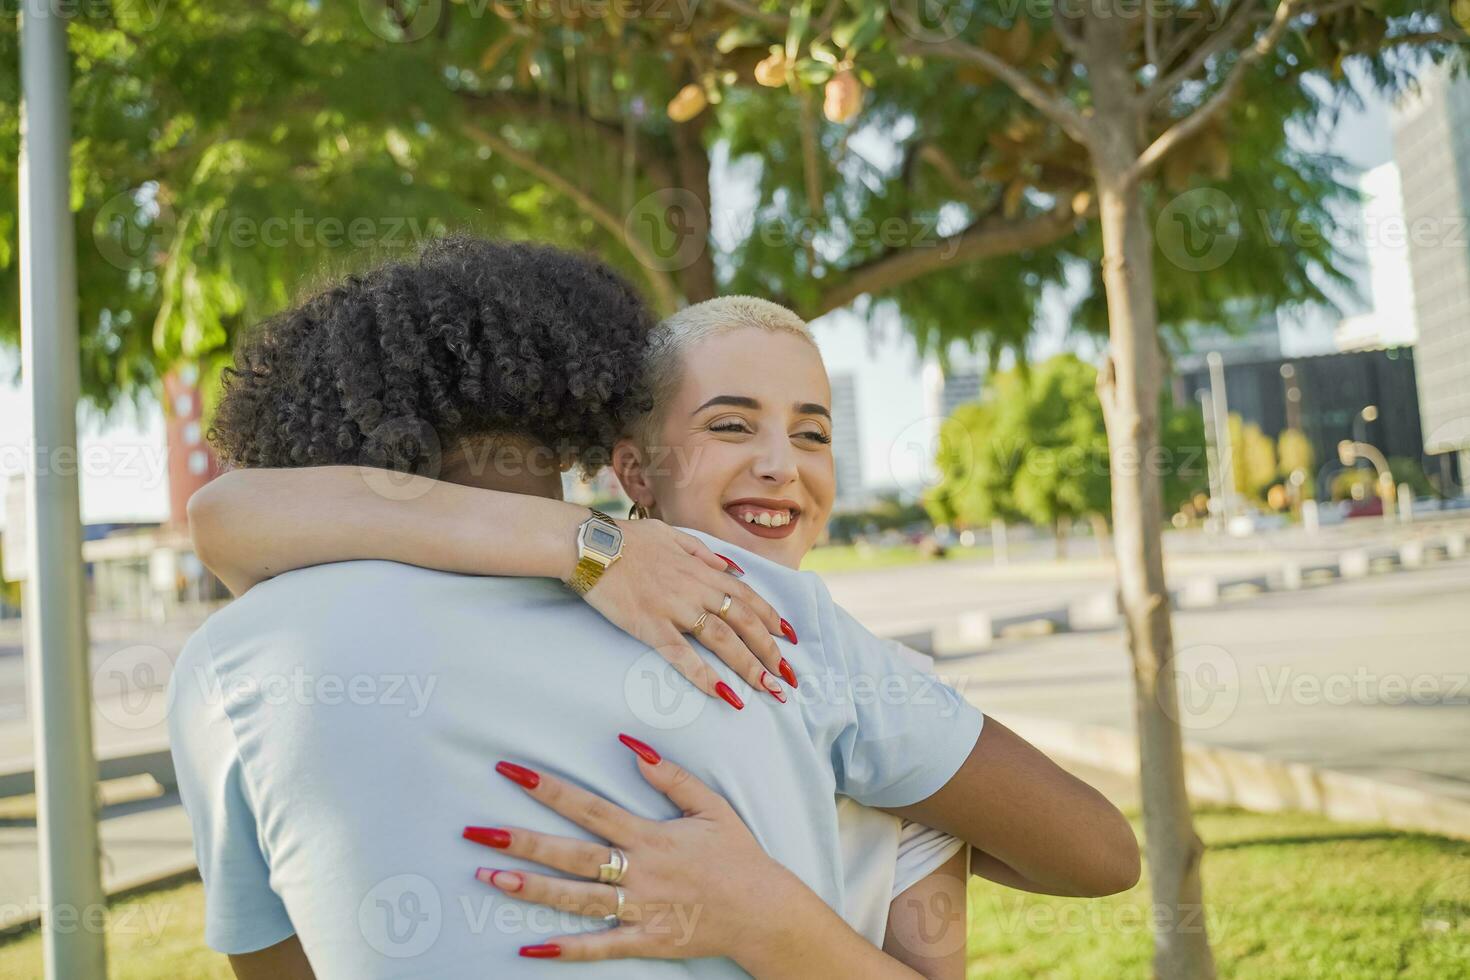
[418, 365]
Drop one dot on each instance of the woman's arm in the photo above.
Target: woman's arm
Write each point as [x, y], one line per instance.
[1033, 824]
[286, 960]
[697, 886]
[251, 524]
[928, 924]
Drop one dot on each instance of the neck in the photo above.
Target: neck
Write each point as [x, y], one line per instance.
[512, 464]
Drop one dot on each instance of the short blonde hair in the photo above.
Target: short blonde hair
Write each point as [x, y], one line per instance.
[676, 334]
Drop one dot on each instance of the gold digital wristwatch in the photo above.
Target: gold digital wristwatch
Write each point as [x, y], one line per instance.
[599, 544]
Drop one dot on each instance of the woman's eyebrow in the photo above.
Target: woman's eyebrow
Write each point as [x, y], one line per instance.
[812, 408]
[739, 401]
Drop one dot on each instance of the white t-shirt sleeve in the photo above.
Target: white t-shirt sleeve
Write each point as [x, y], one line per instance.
[907, 733]
[921, 852]
[242, 913]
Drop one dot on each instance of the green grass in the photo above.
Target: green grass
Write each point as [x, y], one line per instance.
[1288, 896]
[150, 936]
[851, 558]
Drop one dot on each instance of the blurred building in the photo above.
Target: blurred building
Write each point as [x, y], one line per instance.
[1324, 396]
[847, 442]
[1431, 136]
[1389, 320]
[947, 388]
[1260, 340]
[191, 461]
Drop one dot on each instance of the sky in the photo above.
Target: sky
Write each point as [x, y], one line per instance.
[124, 476]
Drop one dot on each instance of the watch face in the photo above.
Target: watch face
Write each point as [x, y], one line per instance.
[602, 539]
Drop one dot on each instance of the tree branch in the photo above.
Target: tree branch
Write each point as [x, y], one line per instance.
[666, 296]
[755, 13]
[984, 239]
[1199, 118]
[1048, 103]
[551, 110]
[1240, 19]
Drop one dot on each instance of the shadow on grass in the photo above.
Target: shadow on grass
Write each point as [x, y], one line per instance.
[1398, 836]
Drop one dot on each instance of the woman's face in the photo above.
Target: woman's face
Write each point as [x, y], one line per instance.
[746, 445]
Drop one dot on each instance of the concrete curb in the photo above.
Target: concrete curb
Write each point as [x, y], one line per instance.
[1255, 782]
[975, 631]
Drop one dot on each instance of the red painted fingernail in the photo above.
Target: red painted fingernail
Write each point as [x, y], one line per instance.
[787, 674]
[643, 749]
[545, 951]
[769, 683]
[733, 567]
[489, 836]
[506, 881]
[519, 774]
[788, 632]
[731, 698]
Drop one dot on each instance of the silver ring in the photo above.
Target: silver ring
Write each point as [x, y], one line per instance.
[616, 918]
[616, 867]
[725, 606]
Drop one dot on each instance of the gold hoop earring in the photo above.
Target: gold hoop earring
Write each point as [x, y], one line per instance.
[637, 512]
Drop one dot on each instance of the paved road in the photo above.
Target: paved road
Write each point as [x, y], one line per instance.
[1370, 677]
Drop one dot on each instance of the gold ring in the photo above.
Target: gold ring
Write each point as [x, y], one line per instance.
[615, 918]
[617, 865]
[699, 623]
[725, 606]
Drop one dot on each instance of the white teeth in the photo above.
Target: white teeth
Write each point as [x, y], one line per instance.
[766, 518]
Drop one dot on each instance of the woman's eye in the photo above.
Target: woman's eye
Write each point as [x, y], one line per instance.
[729, 426]
[817, 437]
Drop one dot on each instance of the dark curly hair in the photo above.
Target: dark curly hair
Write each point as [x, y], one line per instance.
[395, 367]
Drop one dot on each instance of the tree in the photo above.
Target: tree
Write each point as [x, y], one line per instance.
[1035, 449]
[1253, 458]
[1294, 450]
[226, 158]
[1152, 96]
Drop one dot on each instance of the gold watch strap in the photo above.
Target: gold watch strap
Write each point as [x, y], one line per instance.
[586, 574]
[588, 569]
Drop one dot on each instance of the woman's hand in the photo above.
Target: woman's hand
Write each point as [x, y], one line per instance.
[696, 886]
[661, 586]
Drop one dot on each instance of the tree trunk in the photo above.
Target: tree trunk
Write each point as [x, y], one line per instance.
[691, 162]
[1100, 533]
[1129, 390]
[1059, 529]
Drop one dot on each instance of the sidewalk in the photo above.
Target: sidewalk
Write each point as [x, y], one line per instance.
[141, 843]
[1368, 678]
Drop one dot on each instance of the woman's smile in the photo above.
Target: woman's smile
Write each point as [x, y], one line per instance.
[764, 517]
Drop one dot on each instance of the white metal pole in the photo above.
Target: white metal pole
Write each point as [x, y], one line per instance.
[1224, 450]
[55, 612]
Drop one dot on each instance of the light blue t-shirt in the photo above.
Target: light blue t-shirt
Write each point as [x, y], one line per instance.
[335, 728]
